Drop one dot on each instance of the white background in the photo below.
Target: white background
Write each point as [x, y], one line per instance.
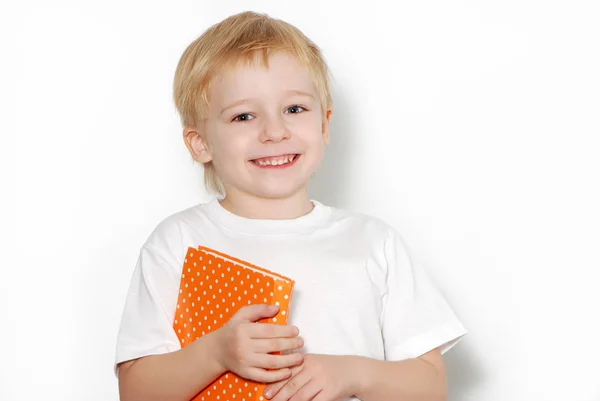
[471, 126]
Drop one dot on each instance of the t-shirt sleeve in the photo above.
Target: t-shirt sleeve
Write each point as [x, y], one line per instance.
[147, 321]
[416, 318]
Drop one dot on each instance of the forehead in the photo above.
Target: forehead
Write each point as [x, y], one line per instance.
[252, 80]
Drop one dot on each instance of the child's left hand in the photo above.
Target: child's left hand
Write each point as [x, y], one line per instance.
[318, 378]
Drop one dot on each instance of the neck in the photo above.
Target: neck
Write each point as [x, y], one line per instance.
[256, 207]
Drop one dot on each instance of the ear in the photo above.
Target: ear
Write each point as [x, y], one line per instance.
[325, 126]
[196, 144]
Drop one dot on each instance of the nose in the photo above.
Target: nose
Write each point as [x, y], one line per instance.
[274, 129]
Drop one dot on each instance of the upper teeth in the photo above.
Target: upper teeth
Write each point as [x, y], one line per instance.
[275, 161]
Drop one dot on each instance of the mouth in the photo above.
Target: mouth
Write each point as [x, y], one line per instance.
[276, 162]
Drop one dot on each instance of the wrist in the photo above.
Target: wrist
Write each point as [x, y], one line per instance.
[359, 376]
[208, 352]
[215, 349]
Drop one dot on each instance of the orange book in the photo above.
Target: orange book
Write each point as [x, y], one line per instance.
[213, 287]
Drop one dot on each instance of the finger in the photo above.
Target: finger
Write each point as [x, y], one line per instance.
[268, 376]
[307, 392]
[252, 313]
[268, 361]
[277, 344]
[292, 387]
[321, 396]
[270, 330]
[274, 388]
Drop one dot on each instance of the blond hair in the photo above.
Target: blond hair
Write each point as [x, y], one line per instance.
[222, 47]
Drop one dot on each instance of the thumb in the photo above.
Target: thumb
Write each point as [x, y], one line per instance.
[252, 313]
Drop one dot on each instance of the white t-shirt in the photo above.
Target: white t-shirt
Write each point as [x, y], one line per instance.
[357, 291]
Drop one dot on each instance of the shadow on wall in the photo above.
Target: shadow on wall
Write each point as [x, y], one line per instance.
[331, 184]
[463, 371]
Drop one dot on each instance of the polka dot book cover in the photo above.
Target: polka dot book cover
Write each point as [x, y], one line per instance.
[213, 287]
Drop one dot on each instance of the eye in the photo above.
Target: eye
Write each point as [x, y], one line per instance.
[296, 109]
[243, 117]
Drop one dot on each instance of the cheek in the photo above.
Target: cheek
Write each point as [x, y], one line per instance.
[310, 131]
[227, 154]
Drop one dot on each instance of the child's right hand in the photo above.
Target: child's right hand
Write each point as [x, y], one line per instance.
[244, 345]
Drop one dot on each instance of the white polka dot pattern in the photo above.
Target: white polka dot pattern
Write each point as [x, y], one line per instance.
[213, 287]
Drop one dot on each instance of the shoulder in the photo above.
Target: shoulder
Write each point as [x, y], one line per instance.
[354, 219]
[374, 230]
[170, 232]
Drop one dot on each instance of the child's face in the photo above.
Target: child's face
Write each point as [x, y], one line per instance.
[272, 115]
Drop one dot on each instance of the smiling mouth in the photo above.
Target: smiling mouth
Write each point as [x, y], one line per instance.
[276, 161]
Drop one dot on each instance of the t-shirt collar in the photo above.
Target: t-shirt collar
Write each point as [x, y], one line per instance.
[244, 225]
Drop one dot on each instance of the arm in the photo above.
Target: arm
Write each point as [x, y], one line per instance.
[174, 376]
[240, 346]
[418, 379]
[336, 377]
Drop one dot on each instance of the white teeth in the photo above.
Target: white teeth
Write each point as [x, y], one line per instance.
[275, 161]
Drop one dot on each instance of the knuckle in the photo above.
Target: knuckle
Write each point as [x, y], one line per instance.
[238, 332]
[242, 361]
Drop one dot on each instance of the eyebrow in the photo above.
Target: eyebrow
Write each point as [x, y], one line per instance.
[247, 100]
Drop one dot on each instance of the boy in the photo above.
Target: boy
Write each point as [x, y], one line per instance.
[253, 95]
